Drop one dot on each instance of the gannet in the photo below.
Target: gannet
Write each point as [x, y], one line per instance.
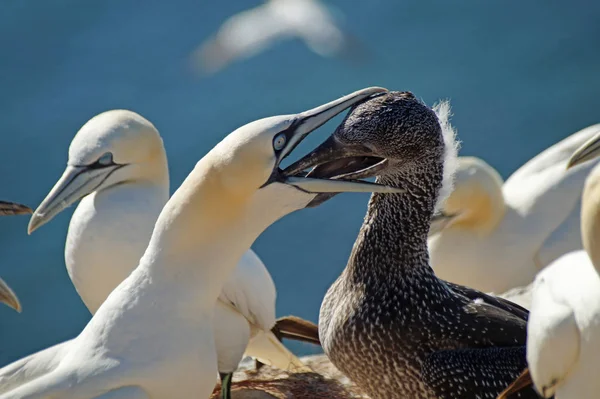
[388, 322]
[118, 168]
[153, 336]
[498, 236]
[7, 295]
[252, 31]
[563, 332]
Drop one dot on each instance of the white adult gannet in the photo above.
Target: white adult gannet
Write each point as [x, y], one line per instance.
[118, 168]
[563, 331]
[252, 31]
[153, 336]
[498, 236]
[7, 295]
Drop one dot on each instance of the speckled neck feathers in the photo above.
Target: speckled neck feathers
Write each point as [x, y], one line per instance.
[392, 243]
[388, 322]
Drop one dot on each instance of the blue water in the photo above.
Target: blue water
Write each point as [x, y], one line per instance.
[520, 75]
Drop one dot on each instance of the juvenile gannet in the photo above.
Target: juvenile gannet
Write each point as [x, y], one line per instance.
[118, 168]
[563, 332]
[388, 322]
[498, 236]
[7, 295]
[252, 31]
[153, 336]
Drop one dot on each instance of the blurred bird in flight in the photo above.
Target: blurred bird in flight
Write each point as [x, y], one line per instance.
[249, 32]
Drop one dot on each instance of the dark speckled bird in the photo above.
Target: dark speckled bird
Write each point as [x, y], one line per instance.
[388, 322]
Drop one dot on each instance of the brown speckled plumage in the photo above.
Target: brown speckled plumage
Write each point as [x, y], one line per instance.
[271, 383]
[388, 322]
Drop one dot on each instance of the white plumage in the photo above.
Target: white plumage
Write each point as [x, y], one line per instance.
[252, 31]
[499, 236]
[154, 336]
[111, 228]
[563, 332]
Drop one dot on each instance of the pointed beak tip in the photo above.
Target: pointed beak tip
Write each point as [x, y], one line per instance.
[11, 300]
[574, 161]
[33, 224]
[371, 92]
[378, 89]
[24, 210]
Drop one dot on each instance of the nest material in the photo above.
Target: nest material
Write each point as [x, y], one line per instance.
[269, 383]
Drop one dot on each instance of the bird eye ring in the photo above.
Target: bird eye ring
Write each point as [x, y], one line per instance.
[279, 141]
[106, 159]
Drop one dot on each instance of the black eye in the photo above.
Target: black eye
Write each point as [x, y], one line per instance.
[279, 141]
[106, 159]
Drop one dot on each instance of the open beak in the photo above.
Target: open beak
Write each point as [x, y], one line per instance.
[341, 163]
[439, 221]
[12, 208]
[8, 297]
[305, 123]
[75, 183]
[588, 151]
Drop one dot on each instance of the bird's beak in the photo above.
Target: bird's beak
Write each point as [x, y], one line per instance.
[12, 208]
[439, 221]
[341, 163]
[75, 183]
[8, 297]
[305, 123]
[588, 151]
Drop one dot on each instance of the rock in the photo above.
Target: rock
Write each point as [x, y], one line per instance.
[326, 382]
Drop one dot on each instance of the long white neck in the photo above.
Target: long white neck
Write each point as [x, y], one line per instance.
[204, 230]
[108, 234]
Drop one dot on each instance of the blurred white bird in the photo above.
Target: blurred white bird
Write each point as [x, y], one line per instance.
[495, 237]
[250, 32]
[563, 331]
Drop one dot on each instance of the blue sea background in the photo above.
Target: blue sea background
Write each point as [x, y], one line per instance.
[520, 76]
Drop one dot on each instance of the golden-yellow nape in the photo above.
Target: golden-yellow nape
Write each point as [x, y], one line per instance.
[588, 151]
[112, 147]
[476, 200]
[249, 158]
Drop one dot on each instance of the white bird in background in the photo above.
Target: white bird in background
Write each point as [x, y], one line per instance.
[7, 295]
[563, 331]
[118, 168]
[250, 32]
[153, 336]
[494, 236]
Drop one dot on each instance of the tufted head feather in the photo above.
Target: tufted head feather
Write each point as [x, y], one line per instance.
[452, 145]
[402, 130]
